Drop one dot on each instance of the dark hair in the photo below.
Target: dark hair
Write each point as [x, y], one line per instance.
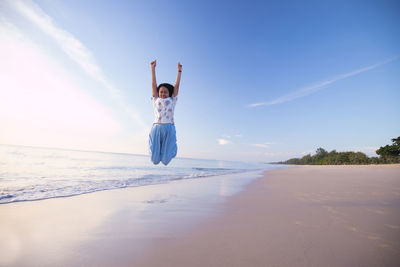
[170, 88]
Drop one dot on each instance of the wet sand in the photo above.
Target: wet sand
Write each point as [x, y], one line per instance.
[113, 227]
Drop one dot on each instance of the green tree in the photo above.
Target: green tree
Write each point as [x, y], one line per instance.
[388, 154]
[306, 159]
[389, 151]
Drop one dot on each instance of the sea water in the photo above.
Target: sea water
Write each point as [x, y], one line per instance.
[33, 173]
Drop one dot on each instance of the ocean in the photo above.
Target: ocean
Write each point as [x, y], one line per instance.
[33, 173]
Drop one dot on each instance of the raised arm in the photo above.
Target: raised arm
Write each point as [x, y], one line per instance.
[153, 78]
[178, 79]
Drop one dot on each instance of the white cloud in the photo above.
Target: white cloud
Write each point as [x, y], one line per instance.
[260, 145]
[75, 49]
[227, 136]
[319, 85]
[264, 145]
[224, 141]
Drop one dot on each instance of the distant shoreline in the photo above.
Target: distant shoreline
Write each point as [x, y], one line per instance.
[387, 155]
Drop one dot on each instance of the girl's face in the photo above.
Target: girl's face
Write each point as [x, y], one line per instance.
[163, 93]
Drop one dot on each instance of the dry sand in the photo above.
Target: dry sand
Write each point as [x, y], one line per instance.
[305, 216]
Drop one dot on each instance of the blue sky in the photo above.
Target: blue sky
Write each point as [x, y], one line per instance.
[261, 81]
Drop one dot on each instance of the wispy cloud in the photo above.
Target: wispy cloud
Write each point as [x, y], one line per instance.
[224, 141]
[264, 145]
[36, 96]
[227, 139]
[74, 48]
[232, 136]
[319, 85]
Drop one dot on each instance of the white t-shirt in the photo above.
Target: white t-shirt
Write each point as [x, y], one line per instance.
[164, 109]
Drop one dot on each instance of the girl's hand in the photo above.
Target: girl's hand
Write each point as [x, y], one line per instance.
[153, 64]
[179, 66]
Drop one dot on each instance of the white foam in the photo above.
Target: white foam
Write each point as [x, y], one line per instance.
[39, 173]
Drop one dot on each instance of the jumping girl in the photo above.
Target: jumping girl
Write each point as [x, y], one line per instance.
[162, 138]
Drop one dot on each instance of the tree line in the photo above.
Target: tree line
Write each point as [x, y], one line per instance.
[387, 154]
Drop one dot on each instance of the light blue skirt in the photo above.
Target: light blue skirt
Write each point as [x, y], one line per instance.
[162, 143]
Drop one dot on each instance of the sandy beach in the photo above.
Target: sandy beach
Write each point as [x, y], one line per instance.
[302, 216]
